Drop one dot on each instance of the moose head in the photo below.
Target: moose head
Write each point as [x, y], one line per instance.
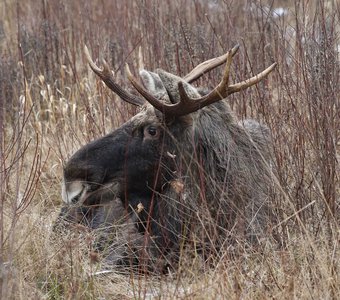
[183, 165]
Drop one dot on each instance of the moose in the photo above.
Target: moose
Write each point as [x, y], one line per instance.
[182, 171]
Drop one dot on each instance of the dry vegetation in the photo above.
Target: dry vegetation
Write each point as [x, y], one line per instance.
[51, 103]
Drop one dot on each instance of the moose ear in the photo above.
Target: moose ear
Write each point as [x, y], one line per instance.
[154, 85]
[170, 82]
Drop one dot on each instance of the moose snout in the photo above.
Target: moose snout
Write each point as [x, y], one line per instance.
[83, 173]
[73, 192]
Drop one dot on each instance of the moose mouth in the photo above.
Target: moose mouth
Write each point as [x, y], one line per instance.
[82, 193]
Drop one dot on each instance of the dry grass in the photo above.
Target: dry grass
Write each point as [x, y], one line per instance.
[51, 104]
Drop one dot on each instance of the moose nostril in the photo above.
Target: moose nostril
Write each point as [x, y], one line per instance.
[75, 199]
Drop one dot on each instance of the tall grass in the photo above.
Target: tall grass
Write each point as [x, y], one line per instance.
[51, 104]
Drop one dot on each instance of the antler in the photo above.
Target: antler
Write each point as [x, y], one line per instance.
[187, 105]
[205, 67]
[107, 76]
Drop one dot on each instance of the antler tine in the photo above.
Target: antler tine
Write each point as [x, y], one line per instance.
[251, 81]
[106, 75]
[207, 66]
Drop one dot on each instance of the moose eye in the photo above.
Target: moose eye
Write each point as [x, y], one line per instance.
[151, 132]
